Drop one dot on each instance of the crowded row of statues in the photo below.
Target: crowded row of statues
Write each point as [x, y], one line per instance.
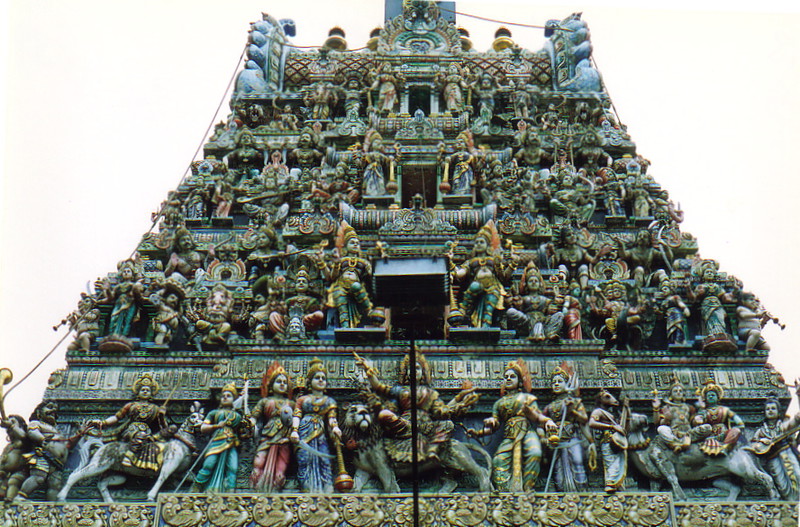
[308, 443]
[631, 294]
[569, 178]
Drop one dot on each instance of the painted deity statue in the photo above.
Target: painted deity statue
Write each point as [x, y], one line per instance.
[85, 322]
[772, 442]
[453, 87]
[517, 461]
[609, 433]
[184, 261]
[349, 276]
[141, 423]
[169, 315]
[726, 426]
[46, 455]
[126, 298]
[484, 271]
[568, 410]
[221, 456]
[752, 318]
[303, 309]
[460, 167]
[711, 295]
[387, 83]
[534, 314]
[273, 412]
[434, 424]
[675, 312]
[213, 323]
[315, 426]
[673, 418]
[377, 165]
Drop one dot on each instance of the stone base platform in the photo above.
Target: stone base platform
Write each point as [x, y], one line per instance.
[396, 510]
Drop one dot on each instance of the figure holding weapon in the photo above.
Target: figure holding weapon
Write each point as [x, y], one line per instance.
[567, 464]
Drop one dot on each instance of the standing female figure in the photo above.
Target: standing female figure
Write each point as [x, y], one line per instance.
[274, 411]
[517, 461]
[315, 419]
[221, 457]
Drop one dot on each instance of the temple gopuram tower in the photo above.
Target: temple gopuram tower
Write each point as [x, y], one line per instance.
[412, 283]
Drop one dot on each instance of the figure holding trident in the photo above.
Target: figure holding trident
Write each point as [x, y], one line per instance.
[568, 455]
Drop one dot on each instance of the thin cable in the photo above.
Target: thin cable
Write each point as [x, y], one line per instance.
[605, 89]
[501, 21]
[152, 225]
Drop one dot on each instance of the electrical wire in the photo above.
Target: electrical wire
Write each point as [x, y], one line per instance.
[505, 23]
[152, 225]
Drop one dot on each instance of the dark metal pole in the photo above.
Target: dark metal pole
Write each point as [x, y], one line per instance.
[412, 359]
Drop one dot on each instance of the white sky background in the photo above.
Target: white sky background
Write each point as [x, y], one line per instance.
[106, 102]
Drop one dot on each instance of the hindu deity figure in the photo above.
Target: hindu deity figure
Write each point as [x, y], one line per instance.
[47, 455]
[621, 315]
[388, 84]
[726, 426]
[673, 419]
[352, 89]
[568, 410]
[609, 433]
[274, 413]
[573, 259]
[647, 259]
[530, 153]
[752, 318]
[221, 456]
[140, 423]
[168, 317]
[349, 276]
[303, 309]
[321, 98]
[675, 311]
[573, 201]
[264, 257]
[517, 461]
[453, 86]
[315, 428]
[268, 310]
[538, 316]
[126, 297]
[772, 442]
[523, 98]
[214, 321]
[464, 162]
[377, 165]
[13, 464]
[305, 155]
[246, 155]
[711, 295]
[85, 322]
[434, 425]
[484, 271]
[184, 261]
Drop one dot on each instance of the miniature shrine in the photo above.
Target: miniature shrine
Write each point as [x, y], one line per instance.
[412, 283]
